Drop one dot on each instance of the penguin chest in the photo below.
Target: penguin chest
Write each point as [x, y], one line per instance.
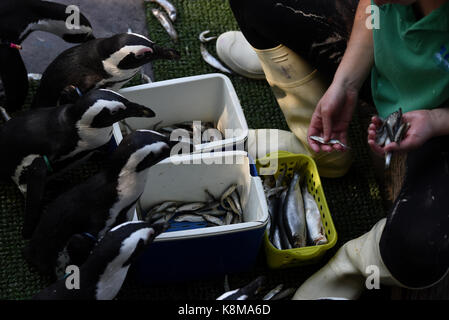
[110, 282]
[129, 188]
[19, 173]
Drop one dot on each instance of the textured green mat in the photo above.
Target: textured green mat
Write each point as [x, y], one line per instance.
[354, 200]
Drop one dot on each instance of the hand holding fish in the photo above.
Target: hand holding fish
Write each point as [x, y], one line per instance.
[332, 117]
[421, 128]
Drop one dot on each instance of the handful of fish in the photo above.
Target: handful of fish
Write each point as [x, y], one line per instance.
[294, 217]
[393, 129]
[254, 290]
[220, 211]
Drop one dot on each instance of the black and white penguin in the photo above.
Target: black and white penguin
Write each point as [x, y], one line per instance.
[247, 292]
[103, 273]
[100, 63]
[101, 202]
[45, 141]
[18, 18]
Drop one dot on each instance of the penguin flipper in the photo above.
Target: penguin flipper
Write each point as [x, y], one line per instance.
[36, 176]
[14, 77]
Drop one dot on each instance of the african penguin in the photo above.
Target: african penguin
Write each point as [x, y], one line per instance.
[100, 63]
[51, 139]
[18, 18]
[103, 273]
[245, 293]
[101, 202]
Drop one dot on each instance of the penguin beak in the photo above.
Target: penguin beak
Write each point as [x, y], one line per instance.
[159, 228]
[138, 110]
[165, 53]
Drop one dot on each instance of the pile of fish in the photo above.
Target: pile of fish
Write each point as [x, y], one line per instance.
[225, 210]
[253, 290]
[294, 217]
[167, 18]
[393, 129]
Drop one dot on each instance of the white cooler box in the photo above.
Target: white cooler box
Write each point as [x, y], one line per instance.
[207, 98]
[206, 252]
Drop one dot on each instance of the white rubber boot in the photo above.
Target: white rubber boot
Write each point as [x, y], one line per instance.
[298, 87]
[235, 51]
[264, 141]
[346, 274]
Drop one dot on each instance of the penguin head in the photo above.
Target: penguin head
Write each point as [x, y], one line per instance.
[102, 108]
[125, 242]
[140, 150]
[64, 21]
[127, 51]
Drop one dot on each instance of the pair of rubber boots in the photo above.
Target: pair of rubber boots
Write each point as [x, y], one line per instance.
[297, 87]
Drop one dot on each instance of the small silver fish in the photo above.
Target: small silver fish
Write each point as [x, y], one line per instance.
[214, 220]
[34, 76]
[280, 226]
[228, 192]
[189, 218]
[190, 207]
[4, 114]
[228, 218]
[315, 227]
[212, 212]
[166, 206]
[145, 78]
[274, 191]
[273, 292]
[168, 7]
[166, 23]
[203, 38]
[235, 197]
[330, 142]
[294, 214]
[211, 60]
[284, 294]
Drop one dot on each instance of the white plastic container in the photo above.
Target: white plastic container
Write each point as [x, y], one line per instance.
[209, 251]
[207, 98]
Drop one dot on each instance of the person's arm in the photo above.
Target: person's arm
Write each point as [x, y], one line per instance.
[359, 55]
[334, 111]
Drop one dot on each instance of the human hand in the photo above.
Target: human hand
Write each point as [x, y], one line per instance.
[332, 117]
[421, 129]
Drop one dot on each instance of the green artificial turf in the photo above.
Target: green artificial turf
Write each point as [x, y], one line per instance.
[354, 201]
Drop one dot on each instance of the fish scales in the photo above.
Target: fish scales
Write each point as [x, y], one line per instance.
[315, 229]
[294, 217]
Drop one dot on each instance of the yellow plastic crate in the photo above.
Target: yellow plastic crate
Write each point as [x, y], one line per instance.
[274, 163]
